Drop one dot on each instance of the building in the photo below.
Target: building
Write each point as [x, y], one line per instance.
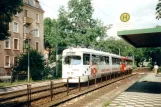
[26, 26]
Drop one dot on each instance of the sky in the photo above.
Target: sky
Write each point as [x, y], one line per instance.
[142, 13]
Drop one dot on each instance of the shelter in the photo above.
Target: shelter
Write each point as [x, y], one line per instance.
[150, 37]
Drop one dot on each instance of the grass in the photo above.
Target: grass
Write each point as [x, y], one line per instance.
[106, 104]
[5, 84]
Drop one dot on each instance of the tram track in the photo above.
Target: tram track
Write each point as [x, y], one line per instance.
[59, 92]
[6, 99]
[84, 92]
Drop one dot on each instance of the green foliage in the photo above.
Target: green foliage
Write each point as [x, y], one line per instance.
[158, 15]
[8, 8]
[36, 65]
[74, 27]
[113, 45]
[159, 70]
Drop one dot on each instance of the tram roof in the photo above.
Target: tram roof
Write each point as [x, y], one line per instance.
[86, 50]
[150, 37]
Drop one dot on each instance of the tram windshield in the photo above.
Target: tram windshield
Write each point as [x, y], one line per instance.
[72, 60]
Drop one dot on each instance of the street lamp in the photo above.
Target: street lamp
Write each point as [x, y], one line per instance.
[28, 51]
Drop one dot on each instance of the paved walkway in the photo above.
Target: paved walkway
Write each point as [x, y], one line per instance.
[22, 87]
[144, 93]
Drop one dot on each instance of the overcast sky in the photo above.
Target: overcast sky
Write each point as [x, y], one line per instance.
[142, 12]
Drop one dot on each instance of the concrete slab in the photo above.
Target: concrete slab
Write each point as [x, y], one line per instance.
[144, 93]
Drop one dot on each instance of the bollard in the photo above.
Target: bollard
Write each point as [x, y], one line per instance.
[95, 79]
[110, 76]
[106, 77]
[51, 89]
[67, 86]
[29, 94]
[79, 85]
[88, 81]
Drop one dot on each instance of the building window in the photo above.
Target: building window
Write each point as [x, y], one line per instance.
[15, 27]
[36, 33]
[16, 44]
[14, 60]
[25, 13]
[7, 61]
[37, 46]
[37, 18]
[7, 44]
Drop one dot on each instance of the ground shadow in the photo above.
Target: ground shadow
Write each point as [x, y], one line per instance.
[146, 87]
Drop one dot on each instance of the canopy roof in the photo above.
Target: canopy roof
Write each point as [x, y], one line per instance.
[150, 37]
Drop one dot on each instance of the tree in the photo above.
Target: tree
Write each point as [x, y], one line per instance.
[8, 8]
[115, 46]
[36, 64]
[84, 29]
[158, 10]
[74, 26]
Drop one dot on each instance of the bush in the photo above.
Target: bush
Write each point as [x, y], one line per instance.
[36, 65]
[159, 70]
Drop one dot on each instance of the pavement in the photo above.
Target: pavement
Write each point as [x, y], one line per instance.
[24, 86]
[144, 93]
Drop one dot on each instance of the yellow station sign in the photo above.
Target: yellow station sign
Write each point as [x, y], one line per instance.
[125, 17]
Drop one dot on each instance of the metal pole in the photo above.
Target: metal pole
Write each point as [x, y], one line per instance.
[56, 47]
[95, 79]
[29, 94]
[28, 73]
[79, 84]
[67, 86]
[51, 89]
[106, 76]
[119, 51]
[88, 81]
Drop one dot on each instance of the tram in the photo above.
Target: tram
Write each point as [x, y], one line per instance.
[83, 63]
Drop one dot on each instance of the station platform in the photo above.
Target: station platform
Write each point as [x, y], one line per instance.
[144, 93]
[24, 86]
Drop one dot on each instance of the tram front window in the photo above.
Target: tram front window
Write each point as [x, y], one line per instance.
[72, 60]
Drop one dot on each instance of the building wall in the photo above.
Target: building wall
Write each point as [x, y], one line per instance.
[22, 29]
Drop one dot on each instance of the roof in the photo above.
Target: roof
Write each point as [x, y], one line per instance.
[33, 4]
[150, 37]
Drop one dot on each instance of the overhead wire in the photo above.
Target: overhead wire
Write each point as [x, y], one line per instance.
[48, 6]
[100, 9]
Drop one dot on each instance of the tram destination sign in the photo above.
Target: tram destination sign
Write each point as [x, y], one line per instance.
[70, 53]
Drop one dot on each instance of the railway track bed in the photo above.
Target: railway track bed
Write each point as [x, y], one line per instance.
[59, 94]
[105, 87]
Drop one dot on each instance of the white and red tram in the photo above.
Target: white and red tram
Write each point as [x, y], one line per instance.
[83, 62]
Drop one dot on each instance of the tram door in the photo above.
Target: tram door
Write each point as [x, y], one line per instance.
[86, 64]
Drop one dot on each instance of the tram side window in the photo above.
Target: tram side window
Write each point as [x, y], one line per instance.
[86, 59]
[107, 60]
[113, 60]
[102, 60]
[95, 60]
[118, 61]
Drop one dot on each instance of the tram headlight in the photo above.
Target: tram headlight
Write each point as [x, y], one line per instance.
[68, 73]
